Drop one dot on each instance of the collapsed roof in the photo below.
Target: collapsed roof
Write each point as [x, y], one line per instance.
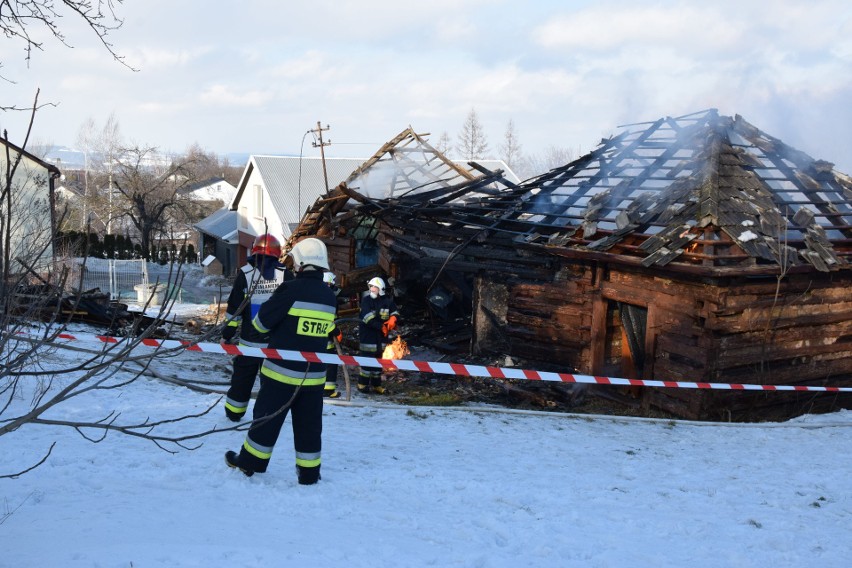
[711, 191]
[406, 167]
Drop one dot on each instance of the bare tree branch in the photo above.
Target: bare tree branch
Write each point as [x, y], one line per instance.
[27, 470]
[19, 17]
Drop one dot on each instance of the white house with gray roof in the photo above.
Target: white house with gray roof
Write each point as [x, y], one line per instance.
[274, 191]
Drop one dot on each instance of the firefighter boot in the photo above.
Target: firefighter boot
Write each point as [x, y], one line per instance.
[233, 460]
[331, 391]
[308, 475]
[234, 416]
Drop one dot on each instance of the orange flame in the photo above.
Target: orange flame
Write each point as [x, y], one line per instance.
[396, 349]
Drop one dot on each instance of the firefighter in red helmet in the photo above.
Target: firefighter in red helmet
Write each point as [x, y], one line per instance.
[254, 284]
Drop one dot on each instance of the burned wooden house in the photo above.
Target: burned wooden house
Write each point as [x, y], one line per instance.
[695, 248]
[406, 169]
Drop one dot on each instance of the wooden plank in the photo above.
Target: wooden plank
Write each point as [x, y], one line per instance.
[805, 296]
[667, 400]
[833, 367]
[791, 354]
[838, 332]
[751, 320]
[684, 348]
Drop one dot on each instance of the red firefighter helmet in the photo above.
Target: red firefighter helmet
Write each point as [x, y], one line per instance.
[266, 244]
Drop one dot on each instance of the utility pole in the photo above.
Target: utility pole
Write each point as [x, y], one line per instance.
[322, 146]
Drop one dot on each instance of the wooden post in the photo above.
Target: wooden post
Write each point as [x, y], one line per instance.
[345, 369]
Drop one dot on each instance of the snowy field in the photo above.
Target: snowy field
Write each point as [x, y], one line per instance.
[479, 487]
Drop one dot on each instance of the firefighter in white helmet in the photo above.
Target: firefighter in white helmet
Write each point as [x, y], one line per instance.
[254, 284]
[299, 317]
[379, 316]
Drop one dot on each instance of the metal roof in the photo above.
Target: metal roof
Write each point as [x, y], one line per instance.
[219, 224]
[294, 183]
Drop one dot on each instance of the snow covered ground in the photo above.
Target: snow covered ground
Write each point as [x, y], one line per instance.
[410, 486]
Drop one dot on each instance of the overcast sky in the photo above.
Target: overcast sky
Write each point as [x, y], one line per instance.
[257, 75]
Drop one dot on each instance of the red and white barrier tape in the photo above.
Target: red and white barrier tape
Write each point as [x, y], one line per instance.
[457, 369]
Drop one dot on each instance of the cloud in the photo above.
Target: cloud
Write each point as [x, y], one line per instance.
[154, 58]
[225, 96]
[311, 65]
[607, 27]
[157, 108]
[708, 30]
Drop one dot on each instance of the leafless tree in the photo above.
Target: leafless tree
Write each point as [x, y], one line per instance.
[86, 137]
[150, 190]
[102, 147]
[552, 157]
[205, 165]
[510, 148]
[34, 305]
[444, 145]
[472, 143]
[40, 148]
[34, 310]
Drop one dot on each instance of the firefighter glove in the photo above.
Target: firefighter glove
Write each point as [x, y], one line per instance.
[228, 332]
[391, 323]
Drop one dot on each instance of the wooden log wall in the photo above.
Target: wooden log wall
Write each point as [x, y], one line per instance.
[800, 336]
[722, 330]
[551, 321]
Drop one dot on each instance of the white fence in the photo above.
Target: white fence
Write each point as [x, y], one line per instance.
[123, 279]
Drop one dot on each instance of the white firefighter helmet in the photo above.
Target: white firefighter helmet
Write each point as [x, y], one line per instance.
[329, 278]
[309, 252]
[378, 283]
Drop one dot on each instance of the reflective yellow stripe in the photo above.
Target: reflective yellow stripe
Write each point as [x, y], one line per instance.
[288, 380]
[233, 323]
[308, 312]
[301, 307]
[255, 452]
[308, 463]
[236, 409]
[259, 326]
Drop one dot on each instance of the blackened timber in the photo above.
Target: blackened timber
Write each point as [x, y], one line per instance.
[543, 273]
[415, 247]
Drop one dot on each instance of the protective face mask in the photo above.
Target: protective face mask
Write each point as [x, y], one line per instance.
[373, 295]
[267, 267]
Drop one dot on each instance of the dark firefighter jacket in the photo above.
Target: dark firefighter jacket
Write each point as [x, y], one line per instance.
[249, 281]
[298, 317]
[374, 313]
